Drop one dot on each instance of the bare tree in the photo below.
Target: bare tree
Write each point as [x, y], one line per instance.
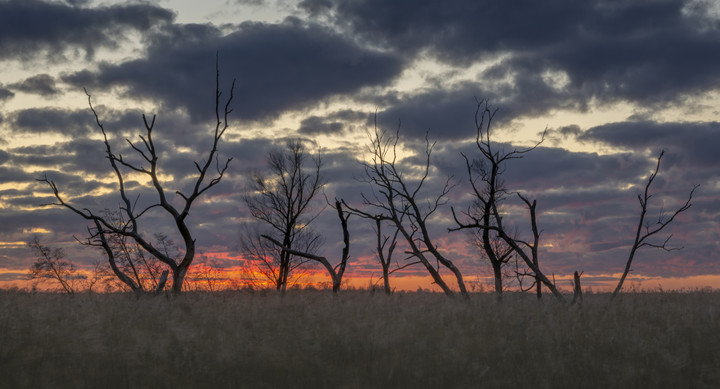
[281, 202]
[385, 257]
[128, 261]
[577, 289]
[484, 216]
[489, 192]
[336, 272]
[149, 167]
[646, 230]
[395, 198]
[50, 264]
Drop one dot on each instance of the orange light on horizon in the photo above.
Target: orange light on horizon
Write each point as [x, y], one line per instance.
[204, 276]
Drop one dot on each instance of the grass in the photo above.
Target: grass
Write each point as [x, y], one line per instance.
[308, 339]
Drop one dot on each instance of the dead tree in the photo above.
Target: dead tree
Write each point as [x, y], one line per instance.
[385, 258]
[489, 192]
[336, 272]
[50, 264]
[281, 201]
[149, 167]
[483, 217]
[645, 230]
[396, 198]
[127, 259]
[577, 289]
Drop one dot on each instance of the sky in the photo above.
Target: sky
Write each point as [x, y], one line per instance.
[612, 82]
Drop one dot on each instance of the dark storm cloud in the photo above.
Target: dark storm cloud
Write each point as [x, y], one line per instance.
[472, 27]
[5, 94]
[75, 123]
[318, 125]
[41, 84]
[606, 50]
[693, 145]
[79, 156]
[51, 120]
[334, 123]
[277, 66]
[31, 28]
[448, 111]
[4, 156]
[13, 174]
[548, 168]
[444, 114]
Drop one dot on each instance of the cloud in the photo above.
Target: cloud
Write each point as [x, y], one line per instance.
[31, 29]
[338, 122]
[51, 120]
[554, 54]
[75, 123]
[445, 114]
[76, 159]
[287, 66]
[691, 144]
[5, 94]
[41, 84]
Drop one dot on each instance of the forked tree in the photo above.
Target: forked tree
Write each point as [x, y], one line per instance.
[148, 165]
[646, 230]
[335, 272]
[281, 200]
[399, 198]
[385, 249]
[484, 218]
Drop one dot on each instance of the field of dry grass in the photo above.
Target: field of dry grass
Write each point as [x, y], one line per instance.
[358, 340]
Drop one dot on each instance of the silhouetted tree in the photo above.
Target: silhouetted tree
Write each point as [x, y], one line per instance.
[395, 198]
[645, 230]
[336, 272]
[281, 201]
[489, 192]
[128, 261]
[149, 167]
[50, 264]
[577, 289]
[385, 252]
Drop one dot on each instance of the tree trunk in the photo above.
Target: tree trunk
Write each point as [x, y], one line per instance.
[179, 278]
[628, 264]
[497, 272]
[161, 283]
[577, 290]
[386, 280]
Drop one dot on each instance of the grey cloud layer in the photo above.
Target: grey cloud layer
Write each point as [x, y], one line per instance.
[649, 52]
[278, 67]
[33, 28]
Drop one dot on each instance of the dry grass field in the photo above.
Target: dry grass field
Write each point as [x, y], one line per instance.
[308, 339]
